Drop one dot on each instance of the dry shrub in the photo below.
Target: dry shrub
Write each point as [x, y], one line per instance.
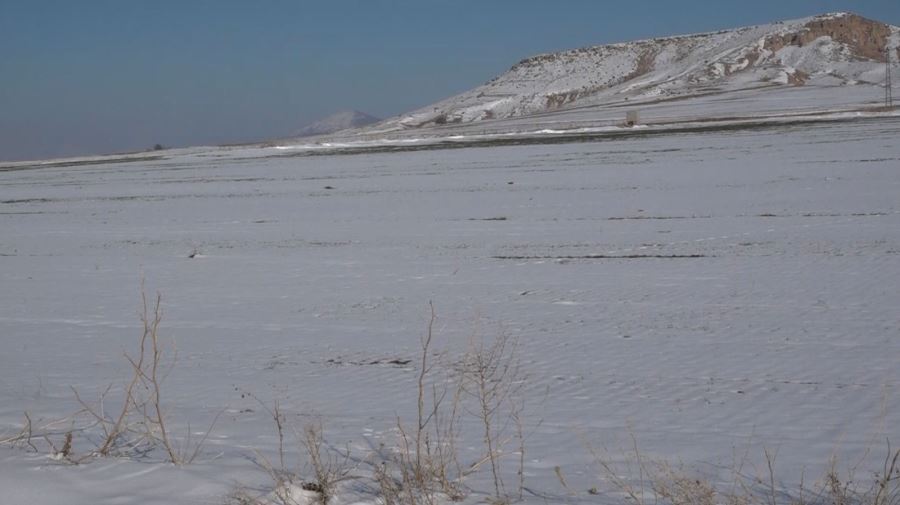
[643, 481]
[621, 476]
[424, 468]
[328, 467]
[136, 426]
[493, 379]
[318, 473]
[139, 423]
[241, 496]
[679, 488]
[654, 481]
[24, 436]
[839, 488]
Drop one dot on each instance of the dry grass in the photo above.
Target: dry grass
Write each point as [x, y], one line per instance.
[423, 467]
[644, 482]
[320, 470]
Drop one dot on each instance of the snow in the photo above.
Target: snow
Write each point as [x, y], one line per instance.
[763, 315]
[683, 66]
[833, 15]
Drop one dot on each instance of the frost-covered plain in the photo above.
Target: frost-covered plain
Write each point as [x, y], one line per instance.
[710, 293]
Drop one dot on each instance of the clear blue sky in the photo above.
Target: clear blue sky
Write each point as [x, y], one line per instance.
[97, 76]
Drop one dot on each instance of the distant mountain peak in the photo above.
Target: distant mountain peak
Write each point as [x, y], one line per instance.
[336, 122]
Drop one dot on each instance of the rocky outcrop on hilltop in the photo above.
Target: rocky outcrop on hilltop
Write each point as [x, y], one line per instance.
[864, 38]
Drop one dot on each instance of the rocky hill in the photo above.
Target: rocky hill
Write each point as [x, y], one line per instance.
[830, 50]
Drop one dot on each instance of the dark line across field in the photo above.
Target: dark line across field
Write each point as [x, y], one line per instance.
[603, 257]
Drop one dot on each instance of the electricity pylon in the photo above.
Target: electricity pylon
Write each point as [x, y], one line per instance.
[888, 94]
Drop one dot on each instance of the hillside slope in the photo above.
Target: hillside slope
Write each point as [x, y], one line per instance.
[830, 50]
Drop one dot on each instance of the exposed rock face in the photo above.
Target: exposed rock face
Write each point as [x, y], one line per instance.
[867, 39]
[797, 77]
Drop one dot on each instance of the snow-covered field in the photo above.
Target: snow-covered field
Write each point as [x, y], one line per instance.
[710, 294]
